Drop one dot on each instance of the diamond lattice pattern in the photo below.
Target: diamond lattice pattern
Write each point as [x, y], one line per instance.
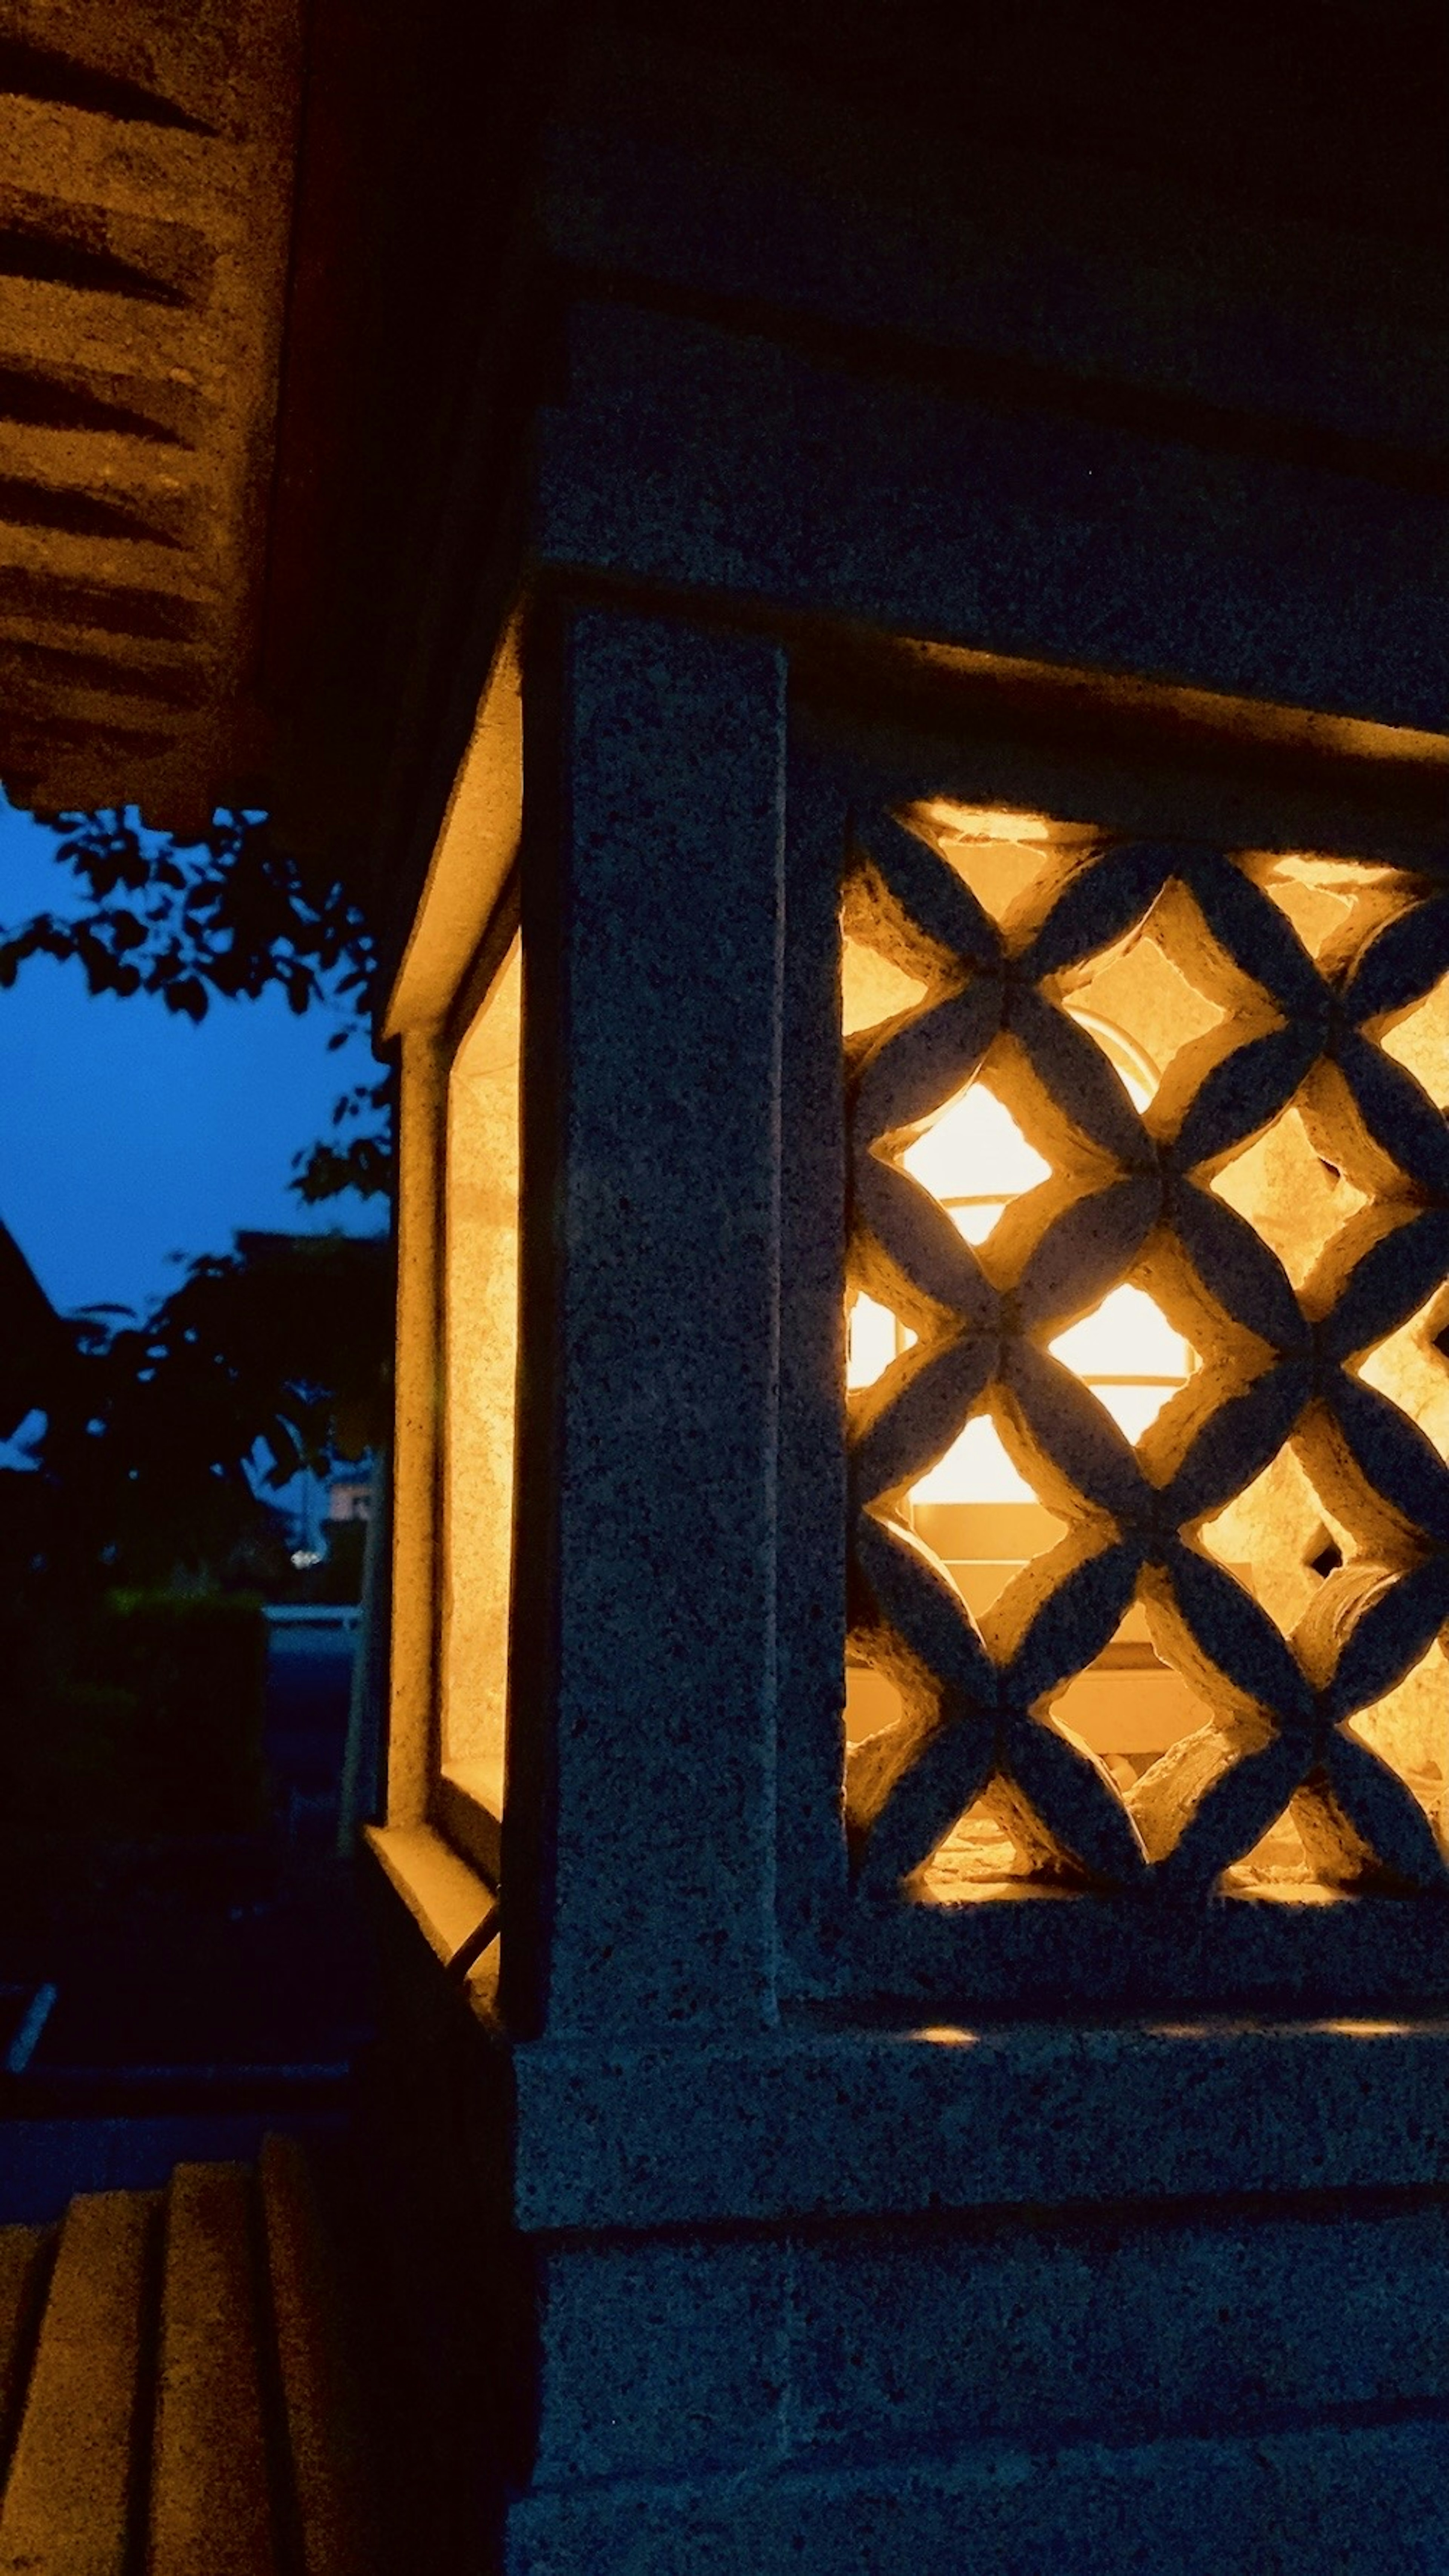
[1149, 1393]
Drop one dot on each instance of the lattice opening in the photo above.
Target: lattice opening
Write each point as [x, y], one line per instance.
[1411, 1367]
[1278, 1538]
[874, 1340]
[980, 1856]
[1167, 989]
[1291, 1193]
[1130, 1356]
[1003, 857]
[1334, 905]
[1419, 1041]
[1149, 1321]
[980, 1517]
[873, 1705]
[975, 1141]
[1277, 1865]
[874, 988]
[1407, 1727]
[1130, 1707]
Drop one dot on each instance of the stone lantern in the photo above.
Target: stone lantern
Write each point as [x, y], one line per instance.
[914, 1888]
[919, 1720]
[864, 591]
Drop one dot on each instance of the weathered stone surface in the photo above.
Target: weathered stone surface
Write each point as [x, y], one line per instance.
[1354, 2500]
[651, 936]
[888, 222]
[210, 2492]
[25, 2260]
[332, 2472]
[187, 2393]
[843, 2123]
[910, 512]
[831, 2292]
[689, 2358]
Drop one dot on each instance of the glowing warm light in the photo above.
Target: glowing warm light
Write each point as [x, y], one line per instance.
[975, 1469]
[973, 1508]
[1131, 1062]
[1420, 1043]
[1408, 1367]
[1310, 1535]
[874, 1339]
[872, 988]
[975, 1160]
[999, 855]
[1323, 896]
[986, 823]
[480, 1358]
[1290, 1193]
[1128, 1354]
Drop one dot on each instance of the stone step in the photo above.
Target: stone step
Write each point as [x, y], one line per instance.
[177, 2385]
[26, 2258]
[333, 2488]
[211, 2510]
[71, 2491]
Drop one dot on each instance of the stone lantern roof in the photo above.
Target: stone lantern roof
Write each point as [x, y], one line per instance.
[267, 272]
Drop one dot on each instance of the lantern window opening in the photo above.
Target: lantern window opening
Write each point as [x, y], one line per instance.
[480, 1227]
[1314, 1180]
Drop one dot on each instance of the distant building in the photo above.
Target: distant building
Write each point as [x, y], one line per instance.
[36, 1344]
[349, 1498]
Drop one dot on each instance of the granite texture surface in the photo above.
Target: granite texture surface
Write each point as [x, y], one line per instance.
[734, 2279]
[664, 2358]
[723, 465]
[867, 223]
[954, 2116]
[1369, 2500]
[652, 937]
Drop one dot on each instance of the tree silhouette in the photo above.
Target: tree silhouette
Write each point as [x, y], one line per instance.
[221, 918]
[261, 1361]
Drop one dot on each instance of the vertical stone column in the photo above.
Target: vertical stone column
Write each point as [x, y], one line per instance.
[638, 1857]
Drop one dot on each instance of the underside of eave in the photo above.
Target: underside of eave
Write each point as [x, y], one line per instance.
[148, 158]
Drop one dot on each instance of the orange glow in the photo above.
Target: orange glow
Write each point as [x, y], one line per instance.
[1014, 1510]
[1128, 1354]
[976, 1161]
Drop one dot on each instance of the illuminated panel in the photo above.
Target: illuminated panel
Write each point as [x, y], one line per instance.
[480, 1360]
[1134, 1131]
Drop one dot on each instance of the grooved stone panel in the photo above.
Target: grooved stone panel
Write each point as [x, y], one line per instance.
[1335, 2501]
[675, 2358]
[144, 228]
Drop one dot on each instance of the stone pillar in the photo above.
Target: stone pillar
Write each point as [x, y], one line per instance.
[640, 1827]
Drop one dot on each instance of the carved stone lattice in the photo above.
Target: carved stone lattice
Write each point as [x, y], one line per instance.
[1303, 985]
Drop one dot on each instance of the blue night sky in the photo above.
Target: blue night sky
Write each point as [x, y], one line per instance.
[128, 1135]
